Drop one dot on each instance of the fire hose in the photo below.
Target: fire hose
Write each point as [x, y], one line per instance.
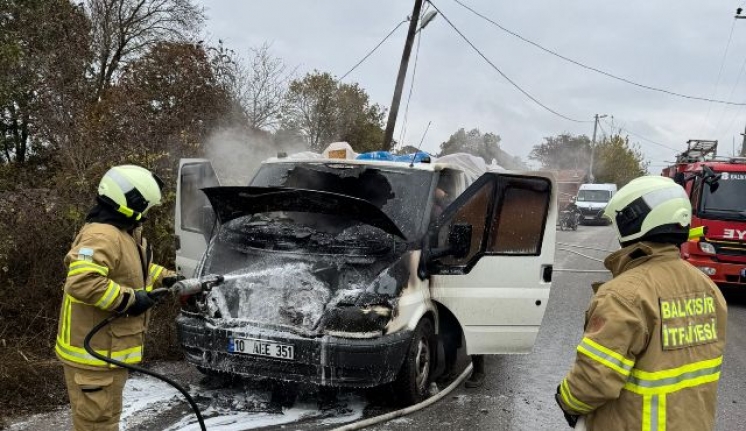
[199, 285]
[180, 288]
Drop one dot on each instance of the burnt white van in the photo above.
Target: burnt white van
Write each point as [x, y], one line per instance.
[347, 271]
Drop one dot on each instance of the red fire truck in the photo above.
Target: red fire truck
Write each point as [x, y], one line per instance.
[717, 189]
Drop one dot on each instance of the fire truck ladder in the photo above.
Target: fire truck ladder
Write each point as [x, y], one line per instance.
[698, 150]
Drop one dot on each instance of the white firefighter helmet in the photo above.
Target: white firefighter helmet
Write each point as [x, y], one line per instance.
[647, 206]
[130, 190]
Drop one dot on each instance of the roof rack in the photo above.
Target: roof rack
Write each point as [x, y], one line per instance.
[698, 150]
[727, 159]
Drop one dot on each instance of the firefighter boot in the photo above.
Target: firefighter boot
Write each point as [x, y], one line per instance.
[477, 375]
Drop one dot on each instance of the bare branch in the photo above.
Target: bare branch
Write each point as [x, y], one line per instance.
[259, 84]
[123, 29]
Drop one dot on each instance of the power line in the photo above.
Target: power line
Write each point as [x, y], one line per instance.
[732, 91]
[594, 69]
[733, 120]
[720, 75]
[637, 135]
[373, 50]
[403, 132]
[600, 126]
[497, 69]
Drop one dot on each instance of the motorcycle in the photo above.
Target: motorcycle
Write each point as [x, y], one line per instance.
[569, 219]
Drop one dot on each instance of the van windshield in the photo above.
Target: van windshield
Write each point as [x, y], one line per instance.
[401, 193]
[728, 200]
[594, 196]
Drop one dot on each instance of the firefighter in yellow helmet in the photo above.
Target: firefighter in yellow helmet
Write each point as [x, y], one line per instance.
[654, 336]
[110, 269]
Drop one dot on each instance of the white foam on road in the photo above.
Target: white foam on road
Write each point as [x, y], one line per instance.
[241, 421]
[224, 409]
[230, 409]
[144, 396]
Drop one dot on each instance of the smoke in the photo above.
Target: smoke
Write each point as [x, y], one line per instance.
[237, 153]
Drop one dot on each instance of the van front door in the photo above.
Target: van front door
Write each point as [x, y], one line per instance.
[499, 285]
[194, 219]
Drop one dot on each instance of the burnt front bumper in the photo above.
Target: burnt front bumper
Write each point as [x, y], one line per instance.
[324, 360]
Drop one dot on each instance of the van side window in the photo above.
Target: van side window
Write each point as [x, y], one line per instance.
[446, 191]
[472, 212]
[519, 226]
[506, 215]
[194, 203]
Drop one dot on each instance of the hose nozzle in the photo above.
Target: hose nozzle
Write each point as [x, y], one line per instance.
[193, 286]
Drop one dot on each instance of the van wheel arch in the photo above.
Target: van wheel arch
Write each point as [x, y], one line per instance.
[451, 336]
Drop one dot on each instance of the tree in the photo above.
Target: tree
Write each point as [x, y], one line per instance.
[43, 55]
[324, 110]
[260, 85]
[162, 108]
[124, 29]
[484, 145]
[563, 151]
[617, 161]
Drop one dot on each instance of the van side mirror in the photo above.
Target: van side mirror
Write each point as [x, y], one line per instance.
[679, 178]
[459, 242]
[711, 178]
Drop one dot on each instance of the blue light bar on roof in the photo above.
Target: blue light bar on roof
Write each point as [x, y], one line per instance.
[420, 157]
[376, 155]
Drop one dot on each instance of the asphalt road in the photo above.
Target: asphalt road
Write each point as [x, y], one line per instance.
[518, 394]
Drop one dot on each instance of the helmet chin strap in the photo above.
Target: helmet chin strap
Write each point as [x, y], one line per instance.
[127, 212]
[130, 213]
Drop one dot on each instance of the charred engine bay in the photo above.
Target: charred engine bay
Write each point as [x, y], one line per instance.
[280, 273]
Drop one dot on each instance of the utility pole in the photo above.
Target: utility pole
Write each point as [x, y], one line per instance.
[394, 110]
[593, 144]
[593, 148]
[743, 145]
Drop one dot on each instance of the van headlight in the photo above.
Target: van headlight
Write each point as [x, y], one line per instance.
[358, 319]
[706, 247]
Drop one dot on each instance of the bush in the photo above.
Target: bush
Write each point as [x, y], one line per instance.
[36, 229]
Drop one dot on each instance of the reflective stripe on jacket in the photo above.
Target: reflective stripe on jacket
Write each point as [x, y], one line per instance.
[103, 264]
[653, 345]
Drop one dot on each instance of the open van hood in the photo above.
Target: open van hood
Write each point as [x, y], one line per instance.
[233, 202]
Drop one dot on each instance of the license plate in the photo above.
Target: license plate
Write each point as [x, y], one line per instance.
[589, 217]
[250, 346]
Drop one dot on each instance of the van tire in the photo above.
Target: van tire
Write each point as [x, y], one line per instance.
[413, 382]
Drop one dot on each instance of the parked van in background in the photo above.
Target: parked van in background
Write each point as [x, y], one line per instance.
[592, 200]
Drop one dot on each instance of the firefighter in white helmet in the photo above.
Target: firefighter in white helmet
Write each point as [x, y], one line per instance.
[652, 348]
[110, 269]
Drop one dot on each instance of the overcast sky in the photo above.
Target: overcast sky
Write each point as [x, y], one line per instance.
[674, 45]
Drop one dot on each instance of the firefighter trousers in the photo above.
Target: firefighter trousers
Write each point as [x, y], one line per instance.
[95, 397]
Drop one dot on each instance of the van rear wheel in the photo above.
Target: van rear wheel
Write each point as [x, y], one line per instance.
[413, 382]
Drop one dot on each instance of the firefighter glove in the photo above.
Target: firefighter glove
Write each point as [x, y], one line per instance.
[571, 419]
[143, 301]
[171, 279]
